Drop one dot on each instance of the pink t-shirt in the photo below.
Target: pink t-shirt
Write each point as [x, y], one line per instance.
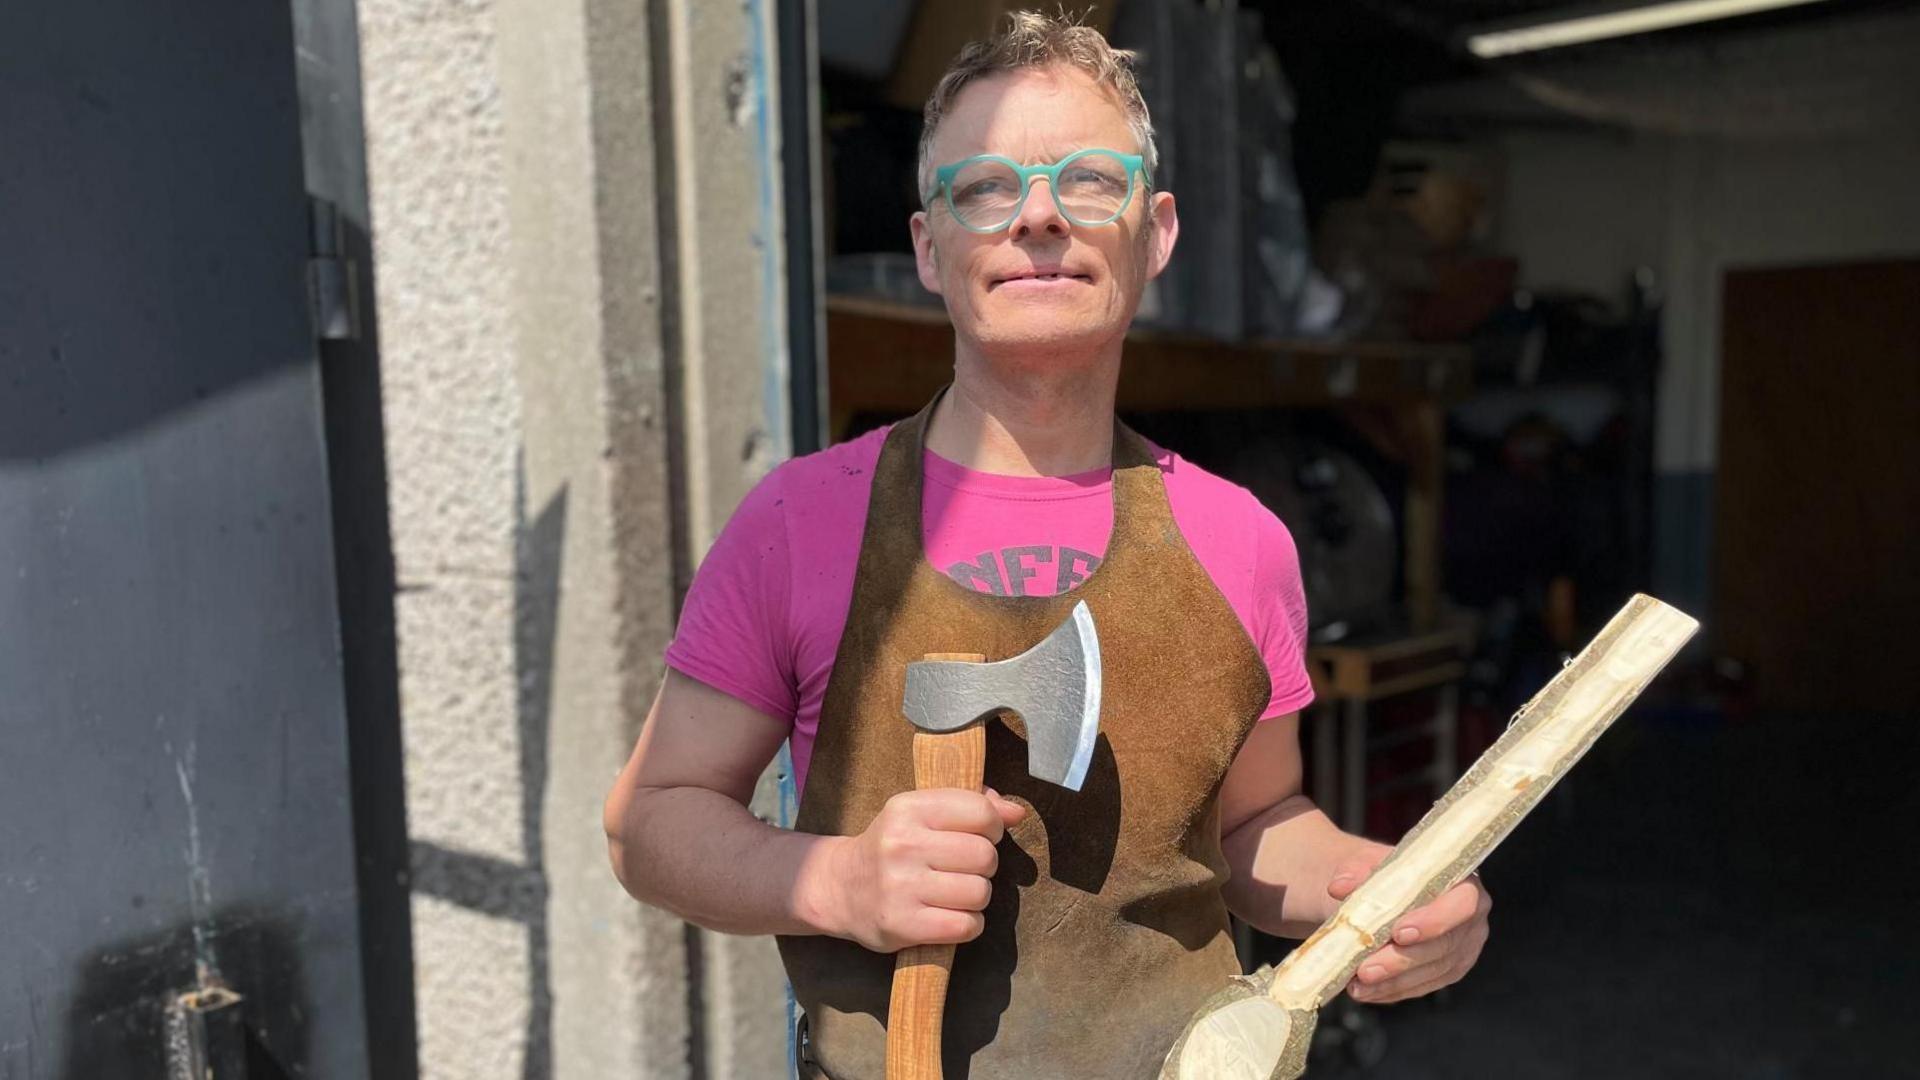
[763, 619]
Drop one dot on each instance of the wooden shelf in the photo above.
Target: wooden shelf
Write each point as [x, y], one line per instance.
[887, 357]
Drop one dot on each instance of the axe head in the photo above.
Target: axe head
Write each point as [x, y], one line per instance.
[1054, 686]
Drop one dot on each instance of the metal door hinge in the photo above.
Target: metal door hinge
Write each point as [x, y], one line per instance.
[333, 286]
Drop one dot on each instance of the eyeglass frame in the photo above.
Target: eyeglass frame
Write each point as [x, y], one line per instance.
[1135, 164]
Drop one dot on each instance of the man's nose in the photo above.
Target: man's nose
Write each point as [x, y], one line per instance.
[1039, 213]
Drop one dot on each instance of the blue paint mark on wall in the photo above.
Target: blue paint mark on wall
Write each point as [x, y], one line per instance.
[773, 344]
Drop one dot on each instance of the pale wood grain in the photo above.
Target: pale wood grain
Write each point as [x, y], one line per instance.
[1549, 735]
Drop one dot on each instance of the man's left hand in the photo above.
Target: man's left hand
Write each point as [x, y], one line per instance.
[1433, 945]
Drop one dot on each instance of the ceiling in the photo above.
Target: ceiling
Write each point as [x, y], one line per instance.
[1844, 67]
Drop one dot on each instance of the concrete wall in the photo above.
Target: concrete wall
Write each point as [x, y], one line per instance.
[435, 159]
[573, 402]
[1582, 211]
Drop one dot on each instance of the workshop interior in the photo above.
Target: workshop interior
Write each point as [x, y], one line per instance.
[374, 375]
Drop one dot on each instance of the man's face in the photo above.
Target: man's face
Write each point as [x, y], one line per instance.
[1042, 283]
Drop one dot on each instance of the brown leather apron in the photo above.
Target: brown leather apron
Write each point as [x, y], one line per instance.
[1106, 927]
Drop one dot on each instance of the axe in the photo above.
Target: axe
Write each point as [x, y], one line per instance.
[1055, 687]
[1260, 1028]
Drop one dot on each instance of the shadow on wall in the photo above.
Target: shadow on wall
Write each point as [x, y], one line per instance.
[116, 1024]
[481, 883]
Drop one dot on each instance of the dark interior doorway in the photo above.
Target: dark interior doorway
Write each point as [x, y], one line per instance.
[1819, 483]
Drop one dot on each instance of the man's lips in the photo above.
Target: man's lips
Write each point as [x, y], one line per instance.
[1039, 277]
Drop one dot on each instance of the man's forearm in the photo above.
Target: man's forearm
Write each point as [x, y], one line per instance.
[1282, 861]
[707, 859]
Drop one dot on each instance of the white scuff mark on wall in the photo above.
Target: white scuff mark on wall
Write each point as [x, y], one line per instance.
[199, 881]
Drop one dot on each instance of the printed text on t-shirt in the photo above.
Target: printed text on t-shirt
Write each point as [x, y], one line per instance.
[1026, 570]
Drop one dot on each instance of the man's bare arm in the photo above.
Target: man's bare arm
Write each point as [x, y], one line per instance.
[1292, 867]
[678, 829]
[1282, 849]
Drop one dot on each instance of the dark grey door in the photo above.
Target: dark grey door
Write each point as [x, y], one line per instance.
[174, 798]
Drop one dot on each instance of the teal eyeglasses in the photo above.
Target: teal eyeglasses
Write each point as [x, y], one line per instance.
[986, 192]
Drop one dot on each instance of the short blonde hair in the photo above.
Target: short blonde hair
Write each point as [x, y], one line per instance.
[1034, 39]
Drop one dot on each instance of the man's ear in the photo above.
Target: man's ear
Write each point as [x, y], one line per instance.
[925, 259]
[1164, 231]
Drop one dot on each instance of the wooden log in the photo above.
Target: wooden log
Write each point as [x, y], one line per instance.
[1260, 1029]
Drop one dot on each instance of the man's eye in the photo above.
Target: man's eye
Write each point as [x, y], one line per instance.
[981, 189]
[1090, 178]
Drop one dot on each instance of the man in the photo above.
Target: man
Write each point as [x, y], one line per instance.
[1095, 921]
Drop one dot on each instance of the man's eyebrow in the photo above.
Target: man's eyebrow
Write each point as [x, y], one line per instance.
[1050, 156]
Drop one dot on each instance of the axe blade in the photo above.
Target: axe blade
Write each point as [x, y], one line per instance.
[1054, 686]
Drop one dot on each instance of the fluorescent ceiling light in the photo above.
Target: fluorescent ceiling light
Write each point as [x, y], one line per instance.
[1574, 29]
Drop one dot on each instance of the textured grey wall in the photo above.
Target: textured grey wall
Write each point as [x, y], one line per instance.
[568, 208]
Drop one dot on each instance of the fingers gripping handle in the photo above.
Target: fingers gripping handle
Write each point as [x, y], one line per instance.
[919, 1003]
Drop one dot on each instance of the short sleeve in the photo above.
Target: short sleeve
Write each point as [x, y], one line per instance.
[733, 630]
[1280, 615]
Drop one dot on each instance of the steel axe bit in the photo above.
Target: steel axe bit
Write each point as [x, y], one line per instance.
[1054, 686]
[1055, 689]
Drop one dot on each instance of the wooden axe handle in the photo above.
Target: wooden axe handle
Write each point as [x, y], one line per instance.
[955, 759]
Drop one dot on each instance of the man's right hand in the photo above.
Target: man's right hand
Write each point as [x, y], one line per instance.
[922, 872]
[680, 836]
